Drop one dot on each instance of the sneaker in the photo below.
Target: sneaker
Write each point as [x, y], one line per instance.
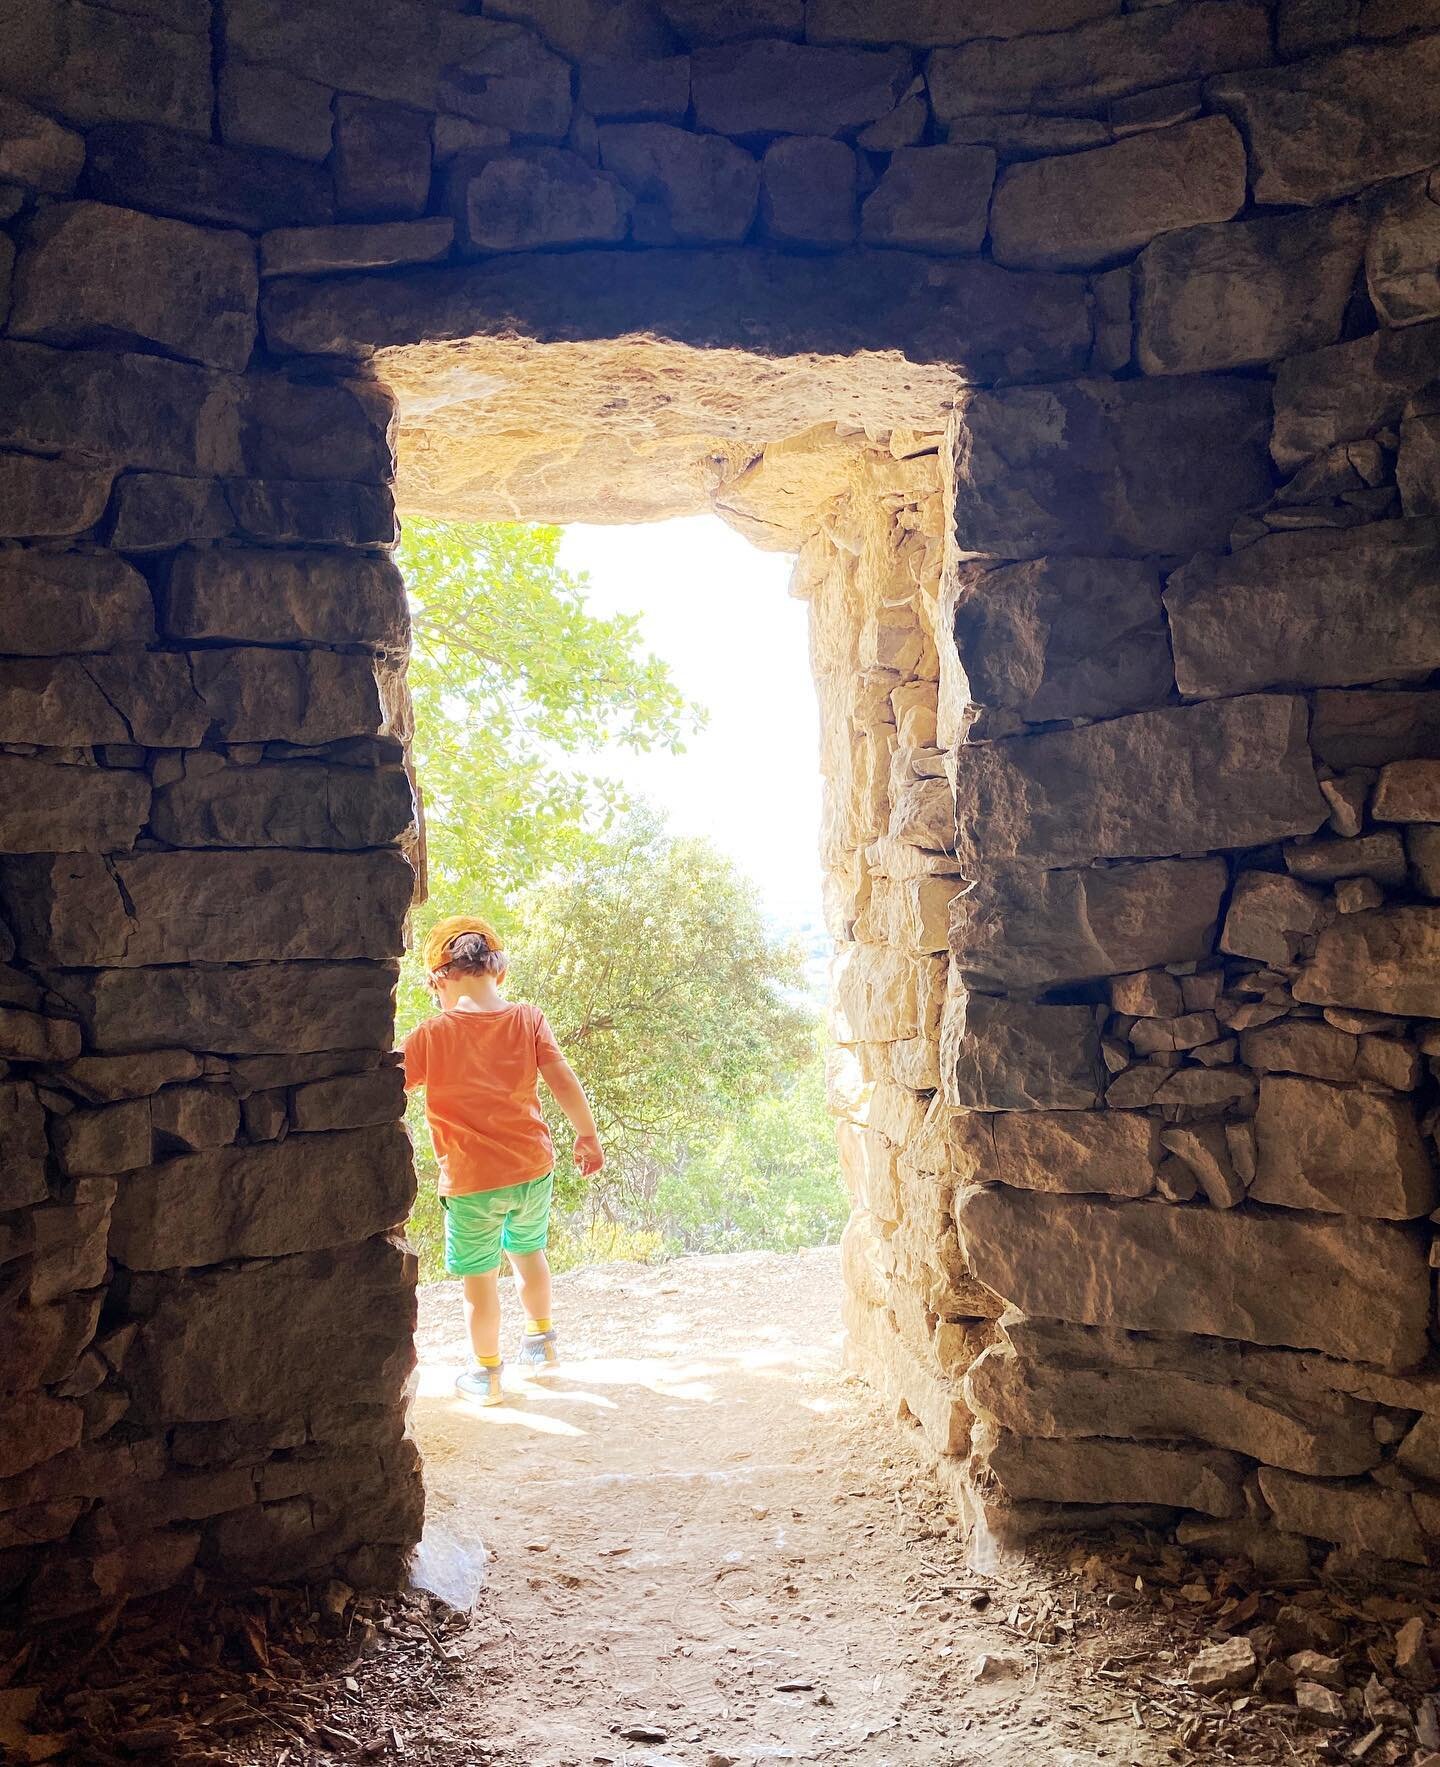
[539, 1352]
[480, 1384]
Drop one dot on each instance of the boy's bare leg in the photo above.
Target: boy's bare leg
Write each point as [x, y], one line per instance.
[482, 1314]
[532, 1277]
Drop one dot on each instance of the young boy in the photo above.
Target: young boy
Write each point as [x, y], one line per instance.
[478, 1060]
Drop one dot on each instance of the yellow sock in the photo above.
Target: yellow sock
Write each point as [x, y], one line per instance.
[534, 1327]
[488, 1361]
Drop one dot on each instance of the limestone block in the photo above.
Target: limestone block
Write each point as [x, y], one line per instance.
[307, 697]
[133, 410]
[156, 170]
[1271, 916]
[352, 1101]
[36, 151]
[259, 1009]
[324, 430]
[91, 274]
[1231, 296]
[1369, 729]
[1308, 1046]
[1057, 638]
[913, 913]
[931, 199]
[930, 23]
[382, 159]
[114, 1138]
[507, 79]
[154, 511]
[1150, 993]
[1341, 1150]
[49, 499]
[1379, 855]
[1205, 1149]
[1328, 1437]
[188, 1119]
[1323, 607]
[934, 1402]
[1407, 791]
[1350, 390]
[807, 191]
[54, 603]
[35, 1429]
[1353, 1288]
[1086, 208]
[1417, 465]
[1066, 1152]
[730, 21]
[1385, 961]
[298, 1195]
[1089, 1471]
[1237, 771]
[597, 27]
[700, 188]
[1077, 468]
[23, 1147]
[49, 808]
[70, 1241]
[1199, 1091]
[1003, 1055]
[322, 251]
[1361, 1516]
[267, 107]
[631, 89]
[206, 907]
[332, 512]
[1402, 259]
[1381, 110]
[272, 596]
[297, 804]
[780, 88]
[94, 64]
[874, 994]
[1077, 68]
[545, 197]
[867, 1165]
[1023, 928]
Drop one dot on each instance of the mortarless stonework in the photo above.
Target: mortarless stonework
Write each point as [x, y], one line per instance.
[1086, 358]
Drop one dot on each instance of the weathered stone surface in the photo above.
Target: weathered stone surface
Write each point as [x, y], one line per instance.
[728, 21]
[1101, 467]
[70, 1239]
[1402, 259]
[152, 908]
[154, 511]
[1360, 1516]
[913, 913]
[1422, 846]
[1384, 961]
[879, 994]
[1378, 854]
[1086, 208]
[94, 63]
[47, 499]
[92, 274]
[1349, 390]
[1003, 1055]
[57, 603]
[278, 597]
[23, 1147]
[1381, 107]
[545, 197]
[1407, 791]
[1058, 1470]
[1204, 1148]
[794, 89]
[1417, 465]
[1237, 773]
[1230, 296]
[1029, 929]
[807, 191]
[322, 251]
[36, 151]
[1340, 1149]
[48, 808]
[267, 107]
[1308, 1046]
[187, 1119]
[1057, 638]
[293, 805]
[1286, 609]
[1223, 1667]
[632, 88]
[1076, 68]
[308, 697]
[1067, 1152]
[932, 199]
[930, 23]
[1369, 729]
[326, 430]
[1271, 916]
[139, 167]
[262, 1009]
[36, 1427]
[693, 189]
[352, 1101]
[1354, 1289]
[115, 1138]
[298, 1195]
[382, 159]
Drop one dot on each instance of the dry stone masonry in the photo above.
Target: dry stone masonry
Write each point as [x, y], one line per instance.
[1087, 354]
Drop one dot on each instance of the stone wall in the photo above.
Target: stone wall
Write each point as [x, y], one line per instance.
[1088, 358]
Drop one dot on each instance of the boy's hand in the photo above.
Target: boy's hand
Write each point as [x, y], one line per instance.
[589, 1155]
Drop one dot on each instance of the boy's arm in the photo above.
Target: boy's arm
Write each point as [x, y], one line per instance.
[559, 1076]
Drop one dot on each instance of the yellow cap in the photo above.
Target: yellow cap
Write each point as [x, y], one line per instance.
[444, 933]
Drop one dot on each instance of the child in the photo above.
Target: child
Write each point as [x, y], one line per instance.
[478, 1060]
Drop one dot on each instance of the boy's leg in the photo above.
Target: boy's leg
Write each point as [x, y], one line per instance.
[482, 1315]
[532, 1278]
[527, 1229]
[473, 1225]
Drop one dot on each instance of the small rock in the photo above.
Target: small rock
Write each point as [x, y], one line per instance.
[1381, 1706]
[998, 1665]
[1353, 895]
[1317, 1704]
[1412, 1654]
[1220, 1667]
[1310, 1665]
[1427, 1725]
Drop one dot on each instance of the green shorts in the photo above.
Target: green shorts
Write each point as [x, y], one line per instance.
[478, 1227]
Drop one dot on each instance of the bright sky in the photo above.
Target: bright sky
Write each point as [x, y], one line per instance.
[717, 610]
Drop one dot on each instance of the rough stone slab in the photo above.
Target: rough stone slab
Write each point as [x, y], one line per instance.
[1089, 208]
[1212, 298]
[545, 197]
[58, 603]
[1417, 465]
[380, 245]
[1102, 467]
[297, 804]
[1092, 1471]
[1237, 773]
[266, 107]
[36, 1427]
[1387, 960]
[308, 697]
[1402, 259]
[23, 1147]
[1308, 1046]
[913, 913]
[1077, 69]
[1423, 848]
[1066, 1152]
[155, 511]
[1341, 1150]
[153, 908]
[1378, 854]
[262, 1009]
[332, 512]
[48, 808]
[633, 88]
[794, 89]
[1369, 729]
[188, 1119]
[808, 187]
[701, 189]
[873, 991]
[322, 430]
[930, 23]
[92, 274]
[1324, 608]
[931, 199]
[115, 1138]
[298, 1195]
[1362, 1517]
[36, 151]
[1057, 638]
[1270, 917]
[382, 159]
[164, 173]
[1006, 1055]
[279, 597]
[352, 1101]
[94, 64]
[1349, 391]
[1381, 111]
[730, 21]
[1355, 1289]
[44, 499]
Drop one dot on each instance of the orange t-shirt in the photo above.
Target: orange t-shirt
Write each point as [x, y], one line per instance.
[479, 1073]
